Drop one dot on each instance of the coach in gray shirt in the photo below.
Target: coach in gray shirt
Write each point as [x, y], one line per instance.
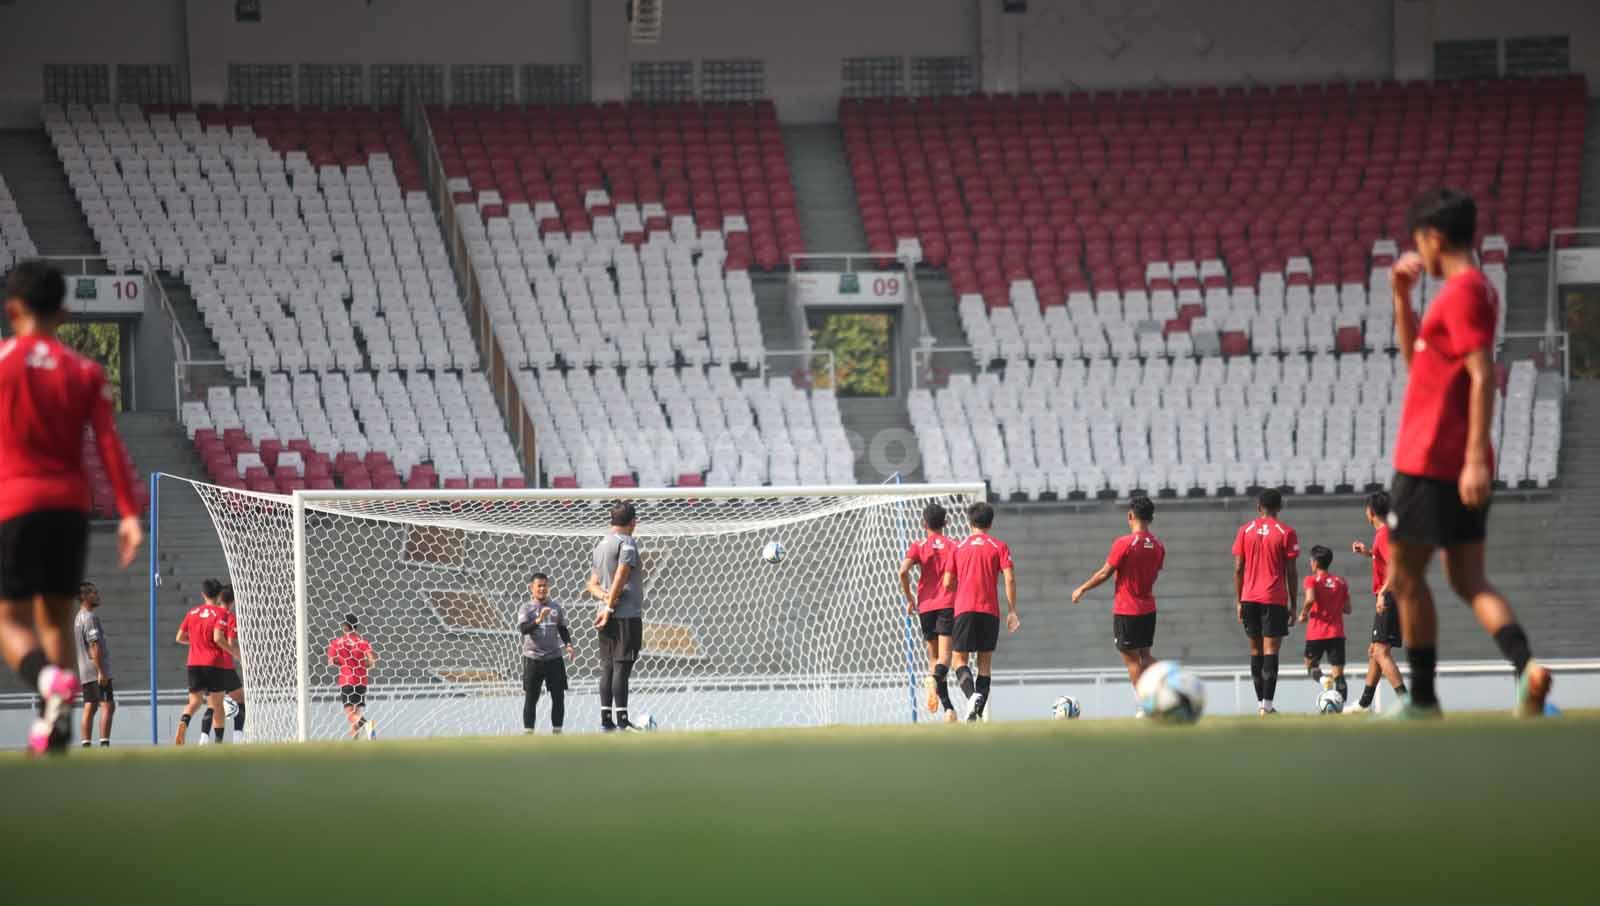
[94, 665]
[545, 639]
[616, 580]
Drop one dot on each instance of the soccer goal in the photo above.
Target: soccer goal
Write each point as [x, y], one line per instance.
[435, 578]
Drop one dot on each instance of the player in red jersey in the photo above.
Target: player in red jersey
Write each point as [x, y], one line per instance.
[1136, 560]
[48, 395]
[1386, 613]
[979, 561]
[933, 604]
[228, 673]
[354, 657]
[1443, 458]
[1326, 601]
[204, 630]
[1264, 574]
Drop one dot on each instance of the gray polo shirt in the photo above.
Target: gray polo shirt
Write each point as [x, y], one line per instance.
[86, 630]
[546, 640]
[619, 548]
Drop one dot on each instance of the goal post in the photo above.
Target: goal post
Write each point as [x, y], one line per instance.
[434, 580]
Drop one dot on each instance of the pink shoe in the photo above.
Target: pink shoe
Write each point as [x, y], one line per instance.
[59, 689]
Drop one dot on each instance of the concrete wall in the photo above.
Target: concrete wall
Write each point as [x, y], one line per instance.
[1447, 20]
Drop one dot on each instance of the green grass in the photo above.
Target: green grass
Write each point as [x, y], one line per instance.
[1295, 810]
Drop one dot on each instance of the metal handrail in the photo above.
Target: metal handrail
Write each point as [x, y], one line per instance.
[833, 365]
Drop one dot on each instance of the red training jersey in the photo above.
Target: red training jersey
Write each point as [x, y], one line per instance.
[934, 555]
[1267, 547]
[1380, 558]
[1137, 558]
[198, 623]
[979, 560]
[1325, 617]
[349, 653]
[1433, 421]
[48, 394]
[229, 624]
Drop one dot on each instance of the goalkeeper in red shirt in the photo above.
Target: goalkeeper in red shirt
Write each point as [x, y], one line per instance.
[48, 395]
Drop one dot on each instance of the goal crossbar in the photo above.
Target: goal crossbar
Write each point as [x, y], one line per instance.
[709, 493]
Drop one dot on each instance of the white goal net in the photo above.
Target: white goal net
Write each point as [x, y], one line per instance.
[435, 580]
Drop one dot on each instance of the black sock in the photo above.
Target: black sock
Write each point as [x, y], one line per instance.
[1401, 689]
[941, 684]
[558, 709]
[1513, 644]
[1370, 690]
[1423, 663]
[1315, 673]
[105, 743]
[1269, 675]
[605, 694]
[1342, 686]
[238, 719]
[185, 718]
[1255, 675]
[33, 663]
[983, 694]
[964, 680]
[205, 721]
[217, 733]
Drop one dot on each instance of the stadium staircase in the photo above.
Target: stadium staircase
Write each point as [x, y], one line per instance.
[944, 320]
[44, 199]
[830, 217]
[880, 423]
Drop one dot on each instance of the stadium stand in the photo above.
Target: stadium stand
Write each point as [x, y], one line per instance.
[15, 243]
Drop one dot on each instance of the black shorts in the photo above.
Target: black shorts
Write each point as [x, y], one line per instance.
[1333, 648]
[229, 678]
[353, 696]
[1386, 625]
[976, 632]
[1131, 633]
[43, 553]
[1430, 511]
[552, 671]
[97, 692]
[936, 623]
[207, 679]
[621, 638]
[1266, 620]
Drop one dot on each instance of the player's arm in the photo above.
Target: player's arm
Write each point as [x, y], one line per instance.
[1475, 475]
[1095, 581]
[112, 455]
[1308, 599]
[1402, 277]
[905, 584]
[1013, 619]
[1291, 575]
[1347, 599]
[619, 583]
[372, 658]
[949, 581]
[183, 633]
[97, 655]
[565, 633]
[594, 588]
[1359, 547]
[222, 641]
[1238, 584]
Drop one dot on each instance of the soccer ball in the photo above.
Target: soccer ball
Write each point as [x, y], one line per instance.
[772, 552]
[647, 721]
[1066, 708]
[1330, 702]
[229, 707]
[1171, 694]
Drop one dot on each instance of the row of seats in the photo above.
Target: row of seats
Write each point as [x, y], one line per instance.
[15, 243]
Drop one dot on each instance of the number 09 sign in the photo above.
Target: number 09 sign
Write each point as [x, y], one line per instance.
[115, 295]
[873, 288]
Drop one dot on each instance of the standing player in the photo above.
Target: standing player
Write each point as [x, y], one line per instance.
[1443, 459]
[201, 629]
[94, 665]
[545, 639]
[228, 673]
[1136, 558]
[934, 604]
[979, 560]
[1326, 601]
[616, 580]
[354, 657]
[1264, 574]
[48, 395]
[1386, 615]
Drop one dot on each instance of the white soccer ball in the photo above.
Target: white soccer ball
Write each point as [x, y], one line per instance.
[1330, 702]
[772, 552]
[1066, 708]
[229, 707]
[647, 721]
[1171, 694]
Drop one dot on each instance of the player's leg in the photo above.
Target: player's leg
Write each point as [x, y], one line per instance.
[1336, 653]
[1419, 621]
[556, 681]
[237, 694]
[1390, 670]
[91, 704]
[619, 693]
[1250, 618]
[980, 699]
[197, 692]
[1314, 661]
[608, 651]
[1269, 658]
[530, 693]
[108, 707]
[1464, 567]
[962, 662]
[214, 704]
[930, 641]
[206, 721]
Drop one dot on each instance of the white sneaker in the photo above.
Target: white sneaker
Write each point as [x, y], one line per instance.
[1140, 714]
[1357, 708]
[972, 707]
[372, 730]
[205, 739]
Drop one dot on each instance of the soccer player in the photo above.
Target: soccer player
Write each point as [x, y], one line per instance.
[1264, 554]
[228, 673]
[933, 603]
[1386, 616]
[1322, 609]
[545, 639]
[201, 628]
[1443, 459]
[48, 395]
[94, 665]
[354, 657]
[616, 580]
[979, 560]
[1136, 559]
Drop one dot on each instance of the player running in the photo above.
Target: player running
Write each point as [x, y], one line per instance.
[545, 639]
[1386, 615]
[1264, 573]
[94, 665]
[979, 560]
[228, 673]
[1322, 609]
[1443, 460]
[353, 656]
[616, 580]
[48, 395]
[203, 630]
[933, 603]
[1136, 558]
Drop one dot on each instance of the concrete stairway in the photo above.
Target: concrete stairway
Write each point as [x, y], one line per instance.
[829, 214]
[944, 320]
[772, 304]
[1589, 196]
[43, 196]
[882, 437]
[1527, 283]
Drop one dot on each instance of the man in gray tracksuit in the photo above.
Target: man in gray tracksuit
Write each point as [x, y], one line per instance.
[545, 639]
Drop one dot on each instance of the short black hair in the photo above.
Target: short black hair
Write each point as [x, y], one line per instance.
[1142, 508]
[933, 517]
[211, 588]
[981, 515]
[1450, 211]
[1378, 503]
[623, 513]
[351, 621]
[84, 587]
[226, 595]
[1321, 557]
[39, 285]
[536, 577]
[1271, 500]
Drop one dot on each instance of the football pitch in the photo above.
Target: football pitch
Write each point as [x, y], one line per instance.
[1293, 810]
